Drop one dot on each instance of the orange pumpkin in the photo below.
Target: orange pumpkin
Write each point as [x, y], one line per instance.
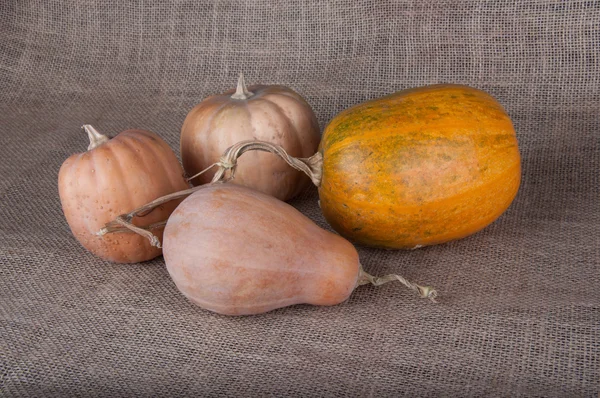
[113, 177]
[272, 113]
[418, 167]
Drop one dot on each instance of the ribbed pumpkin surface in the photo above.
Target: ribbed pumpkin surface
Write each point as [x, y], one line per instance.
[127, 172]
[419, 167]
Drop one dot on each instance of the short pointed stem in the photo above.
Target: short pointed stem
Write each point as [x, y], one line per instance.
[241, 91]
[96, 138]
[424, 291]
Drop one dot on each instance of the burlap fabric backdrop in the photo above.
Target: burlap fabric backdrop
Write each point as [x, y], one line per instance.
[520, 301]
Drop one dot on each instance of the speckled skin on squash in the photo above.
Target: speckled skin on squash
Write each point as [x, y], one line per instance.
[419, 167]
[126, 172]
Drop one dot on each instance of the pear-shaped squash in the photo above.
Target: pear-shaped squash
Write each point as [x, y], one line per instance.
[237, 251]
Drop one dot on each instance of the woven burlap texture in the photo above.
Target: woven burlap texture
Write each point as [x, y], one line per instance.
[519, 311]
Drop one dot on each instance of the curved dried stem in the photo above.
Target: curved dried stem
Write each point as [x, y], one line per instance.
[116, 227]
[123, 222]
[424, 291]
[312, 166]
[203, 171]
[140, 231]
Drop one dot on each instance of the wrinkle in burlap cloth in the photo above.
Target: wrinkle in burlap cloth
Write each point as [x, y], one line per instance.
[519, 312]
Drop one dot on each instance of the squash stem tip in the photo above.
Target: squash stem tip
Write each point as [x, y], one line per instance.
[96, 138]
[123, 222]
[428, 292]
[241, 91]
[423, 291]
[223, 163]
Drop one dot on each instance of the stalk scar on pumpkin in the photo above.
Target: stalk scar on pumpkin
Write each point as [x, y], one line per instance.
[312, 166]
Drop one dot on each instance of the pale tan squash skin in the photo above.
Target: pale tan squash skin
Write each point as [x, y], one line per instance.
[275, 114]
[122, 174]
[236, 251]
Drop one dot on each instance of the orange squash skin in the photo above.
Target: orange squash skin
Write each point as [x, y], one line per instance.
[419, 167]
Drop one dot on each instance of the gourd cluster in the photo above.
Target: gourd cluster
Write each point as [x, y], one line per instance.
[418, 167]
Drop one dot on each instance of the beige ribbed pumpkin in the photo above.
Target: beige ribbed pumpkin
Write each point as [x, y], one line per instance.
[112, 178]
[273, 113]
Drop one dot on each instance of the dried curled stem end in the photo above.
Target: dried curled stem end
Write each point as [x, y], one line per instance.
[140, 231]
[120, 224]
[424, 291]
[312, 166]
[123, 222]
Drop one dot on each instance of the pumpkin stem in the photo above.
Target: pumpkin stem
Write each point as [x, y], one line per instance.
[242, 92]
[120, 224]
[424, 291]
[96, 138]
[205, 170]
[140, 231]
[312, 166]
[123, 222]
